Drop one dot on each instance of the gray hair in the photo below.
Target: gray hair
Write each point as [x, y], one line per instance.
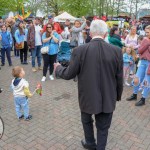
[98, 27]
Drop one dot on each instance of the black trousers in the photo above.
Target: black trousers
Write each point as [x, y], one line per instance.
[16, 52]
[24, 53]
[49, 61]
[103, 122]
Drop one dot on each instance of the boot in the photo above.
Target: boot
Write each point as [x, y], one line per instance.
[141, 102]
[91, 146]
[132, 97]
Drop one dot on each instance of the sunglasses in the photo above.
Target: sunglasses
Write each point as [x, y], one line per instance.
[49, 27]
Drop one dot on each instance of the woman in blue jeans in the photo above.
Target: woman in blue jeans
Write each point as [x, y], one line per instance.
[143, 72]
[6, 41]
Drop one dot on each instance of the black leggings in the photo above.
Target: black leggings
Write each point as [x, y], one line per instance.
[24, 53]
[49, 61]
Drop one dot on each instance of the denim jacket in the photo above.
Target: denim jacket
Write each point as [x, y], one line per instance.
[19, 37]
[127, 59]
[6, 39]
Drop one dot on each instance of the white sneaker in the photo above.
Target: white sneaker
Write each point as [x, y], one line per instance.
[43, 78]
[51, 77]
[126, 83]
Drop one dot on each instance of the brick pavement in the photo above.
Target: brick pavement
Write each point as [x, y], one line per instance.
[56, 118]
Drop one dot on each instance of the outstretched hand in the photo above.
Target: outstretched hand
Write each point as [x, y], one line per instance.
[56, 65]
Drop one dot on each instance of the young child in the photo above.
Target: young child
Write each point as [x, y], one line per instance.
[21, 93]
[128, 60]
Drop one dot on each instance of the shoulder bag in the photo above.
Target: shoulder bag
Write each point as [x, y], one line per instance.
[19, 46]
[45, 49]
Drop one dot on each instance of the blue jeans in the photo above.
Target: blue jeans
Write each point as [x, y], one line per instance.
[143, 78]
[7, 51]
[21, 103]
[36, 52]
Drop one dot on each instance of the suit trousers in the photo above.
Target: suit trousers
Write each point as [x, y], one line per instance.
[103, 122]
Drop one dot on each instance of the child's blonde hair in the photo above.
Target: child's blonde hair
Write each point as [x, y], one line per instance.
[133, 53]
[16, 71]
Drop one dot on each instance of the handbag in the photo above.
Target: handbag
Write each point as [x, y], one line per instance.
[45, 49]
[19, 46]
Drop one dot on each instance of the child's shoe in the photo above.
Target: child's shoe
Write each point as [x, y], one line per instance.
[21, 117]
[28, 118]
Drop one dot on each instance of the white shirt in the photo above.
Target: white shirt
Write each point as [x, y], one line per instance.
[18, 91]
[80, 39]
[38, 39]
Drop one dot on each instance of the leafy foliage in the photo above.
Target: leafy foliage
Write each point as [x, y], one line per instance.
[75, 7]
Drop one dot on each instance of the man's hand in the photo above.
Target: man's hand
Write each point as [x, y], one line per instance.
[56, 65]
[0, 37]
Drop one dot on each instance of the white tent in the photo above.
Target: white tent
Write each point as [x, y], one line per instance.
[62, 17]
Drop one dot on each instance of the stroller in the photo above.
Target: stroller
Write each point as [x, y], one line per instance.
[64, 54]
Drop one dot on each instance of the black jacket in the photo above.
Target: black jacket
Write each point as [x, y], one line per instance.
[99, 67]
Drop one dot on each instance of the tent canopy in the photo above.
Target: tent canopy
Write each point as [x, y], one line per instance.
[62, 17]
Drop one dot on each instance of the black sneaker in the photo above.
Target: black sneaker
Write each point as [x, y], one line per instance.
[132, 97]
[2, 64]
[141, 102]
[21, 117]
[10, 65]
[25, 63]
[28, 118]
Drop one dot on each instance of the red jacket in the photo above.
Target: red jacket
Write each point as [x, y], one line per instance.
[57, 28]
[144, 49]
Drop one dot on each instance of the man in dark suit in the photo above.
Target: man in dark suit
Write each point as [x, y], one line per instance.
[99, 67]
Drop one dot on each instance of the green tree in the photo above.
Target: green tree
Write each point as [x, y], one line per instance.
[11, 5]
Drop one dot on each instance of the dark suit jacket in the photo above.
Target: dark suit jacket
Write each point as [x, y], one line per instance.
[99, 67]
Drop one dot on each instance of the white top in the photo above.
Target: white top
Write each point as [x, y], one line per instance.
[18, 90]
[38, 39]
[80, 39]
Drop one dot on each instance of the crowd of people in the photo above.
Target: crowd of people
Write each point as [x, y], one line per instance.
[44, 42]
[34, 37]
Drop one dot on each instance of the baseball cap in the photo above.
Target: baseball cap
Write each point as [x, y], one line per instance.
[50, 16]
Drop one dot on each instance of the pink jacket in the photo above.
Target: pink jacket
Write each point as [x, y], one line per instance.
[144, 49]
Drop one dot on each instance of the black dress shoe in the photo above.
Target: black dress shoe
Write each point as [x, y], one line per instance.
[88, 146]
[132, 97]
[25, 63]
[141, 102]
